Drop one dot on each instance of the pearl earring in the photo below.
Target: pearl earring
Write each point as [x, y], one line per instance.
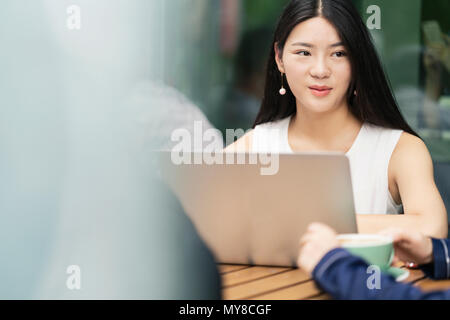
[282, 90]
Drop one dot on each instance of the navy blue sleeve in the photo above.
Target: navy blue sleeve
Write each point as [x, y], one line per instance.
[347, 277]
[440, 268]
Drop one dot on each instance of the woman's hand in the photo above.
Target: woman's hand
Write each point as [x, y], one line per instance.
[410, 246]
[318, 240]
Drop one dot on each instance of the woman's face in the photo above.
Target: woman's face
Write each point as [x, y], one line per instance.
[316, 65]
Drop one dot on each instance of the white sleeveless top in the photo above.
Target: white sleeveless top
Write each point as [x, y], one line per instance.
[369, 160]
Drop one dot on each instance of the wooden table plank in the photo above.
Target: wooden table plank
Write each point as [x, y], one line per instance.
[276, 283]
[225, 268]
[322, 296]
[249, 274]
[296, 292]
[266, 285]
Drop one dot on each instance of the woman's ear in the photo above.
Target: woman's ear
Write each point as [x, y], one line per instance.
[279, 58]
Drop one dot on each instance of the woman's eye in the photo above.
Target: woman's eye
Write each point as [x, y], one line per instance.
[340, 54]
[303, 53]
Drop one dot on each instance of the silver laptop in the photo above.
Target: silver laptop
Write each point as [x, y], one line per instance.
[256, 212]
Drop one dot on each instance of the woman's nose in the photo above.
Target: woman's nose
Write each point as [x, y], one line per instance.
[319, 69]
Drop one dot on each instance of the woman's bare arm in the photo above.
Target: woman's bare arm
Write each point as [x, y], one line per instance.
[424, 209]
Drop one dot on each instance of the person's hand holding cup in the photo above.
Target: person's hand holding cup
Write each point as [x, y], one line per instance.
[383, 249]
[318, 240]
[410, 247]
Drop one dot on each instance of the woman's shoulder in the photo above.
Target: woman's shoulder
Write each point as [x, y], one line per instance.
[405, 147]
[410, 154]
[408, 146]
[411, 145]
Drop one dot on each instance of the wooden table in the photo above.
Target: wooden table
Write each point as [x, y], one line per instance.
[241, 282]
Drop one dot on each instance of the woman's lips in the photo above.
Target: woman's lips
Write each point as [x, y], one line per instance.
[320, 92]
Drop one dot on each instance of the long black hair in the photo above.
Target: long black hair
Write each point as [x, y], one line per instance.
[374, 102]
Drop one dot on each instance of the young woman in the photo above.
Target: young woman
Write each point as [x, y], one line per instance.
[326, 91]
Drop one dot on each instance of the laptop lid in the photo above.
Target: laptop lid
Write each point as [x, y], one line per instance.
[247, 217]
